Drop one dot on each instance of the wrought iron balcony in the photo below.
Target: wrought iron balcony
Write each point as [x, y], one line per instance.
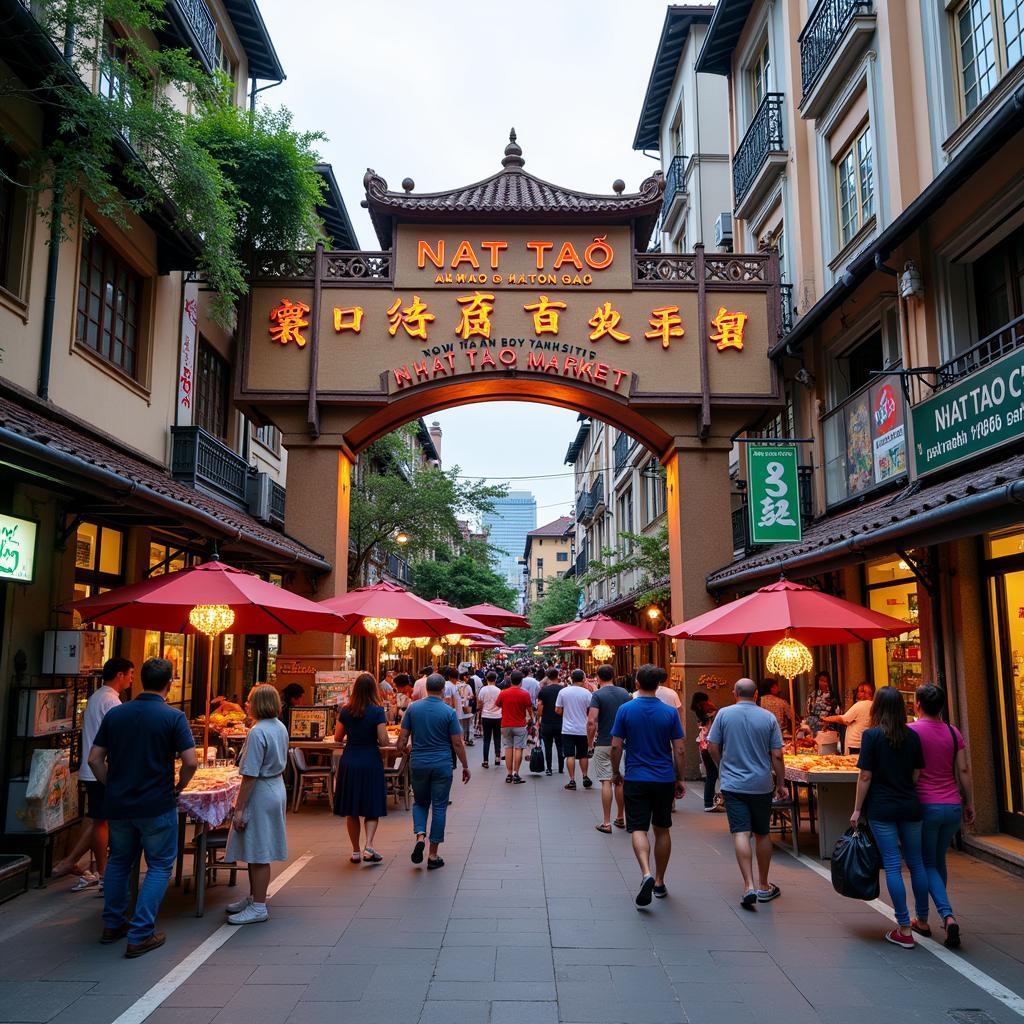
[398, 568]
[786, 296]
[763, 138]
[582, 561]
[597, 494]
[1009, 337]
[277, 495]
[620, 452]
[675, 189]
[199, 459]
[584, 507]
[823, 36]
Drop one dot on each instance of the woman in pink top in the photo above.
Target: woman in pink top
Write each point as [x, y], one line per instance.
[945, 775]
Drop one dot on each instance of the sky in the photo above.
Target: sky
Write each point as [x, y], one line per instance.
[429, 89]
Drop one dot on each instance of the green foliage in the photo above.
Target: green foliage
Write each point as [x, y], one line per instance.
[462, 581]
[647, 555]
[560, 603]
[393, 491]
[164, 135]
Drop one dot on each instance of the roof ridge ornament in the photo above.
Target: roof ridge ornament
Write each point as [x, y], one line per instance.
[513, 158]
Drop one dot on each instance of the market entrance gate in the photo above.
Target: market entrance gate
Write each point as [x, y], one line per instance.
[512, 289]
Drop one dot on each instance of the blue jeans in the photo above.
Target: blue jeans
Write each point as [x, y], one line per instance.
[891, 836]
[941, 822]
[157, 838]
[431, 787]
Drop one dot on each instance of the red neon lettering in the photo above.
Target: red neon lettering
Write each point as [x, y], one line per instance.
[464, 254]
[601, 373]
[402, 376]
[420, 369]
[511, 352]
[539, 248]
[424, 253]
[494, 248]
[487, 360]
[619, 374]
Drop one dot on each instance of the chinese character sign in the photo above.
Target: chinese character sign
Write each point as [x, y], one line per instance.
[774, 493]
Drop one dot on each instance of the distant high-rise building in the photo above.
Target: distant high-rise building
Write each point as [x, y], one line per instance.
[514, 516]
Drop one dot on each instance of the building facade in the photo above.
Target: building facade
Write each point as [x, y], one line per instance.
[506, 526]
[879, 148]
[548, 555]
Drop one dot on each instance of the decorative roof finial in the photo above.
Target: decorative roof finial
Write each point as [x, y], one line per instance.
[513, 154]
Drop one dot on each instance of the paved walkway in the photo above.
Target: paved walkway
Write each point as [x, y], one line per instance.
[530, 922]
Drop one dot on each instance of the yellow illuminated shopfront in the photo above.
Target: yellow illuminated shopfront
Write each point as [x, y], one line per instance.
[1004, 554]
[895, 661]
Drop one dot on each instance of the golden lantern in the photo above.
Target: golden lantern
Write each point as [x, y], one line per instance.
[437, 650]
[653, 612]
[211, 619]
[379, 627]
[452, 638]
[465, 641]
[401, 643]
[421, 641]
[789, 658]
[601, 652]
[584, 643]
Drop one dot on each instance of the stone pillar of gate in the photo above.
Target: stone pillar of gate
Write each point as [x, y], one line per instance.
[316, 513]
[700, 540]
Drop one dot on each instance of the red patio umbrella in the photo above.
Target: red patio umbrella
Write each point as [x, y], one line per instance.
[415, 616]
[492, 615]
[788, 609]
[600, 628]
[238, 602]
[463, 622]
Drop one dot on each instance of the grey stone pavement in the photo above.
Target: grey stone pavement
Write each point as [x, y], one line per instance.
[530, 922]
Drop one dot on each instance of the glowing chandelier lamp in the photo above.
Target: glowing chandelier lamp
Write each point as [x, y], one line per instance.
[584, 643]
[401, 643]
[382, 642]
[452, 638]
[212, 620]
[379, 627]
[465, 641]
[601, 652]
[789, 658]
[437, 650]
[421, 641]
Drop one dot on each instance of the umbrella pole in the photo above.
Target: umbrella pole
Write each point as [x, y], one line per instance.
[209, 688]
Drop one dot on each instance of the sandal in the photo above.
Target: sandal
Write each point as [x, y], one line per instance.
[606, 829]
[355, 857]
[570, 785]
[508, 778]
[374, 857]
[85, 881]
[619, 822]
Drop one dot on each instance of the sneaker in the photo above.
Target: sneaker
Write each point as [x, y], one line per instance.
[155, 941]
[238, 906]
[773, 892]
[643, 897]
[417, 852]
[709, 810]
[249, 915]
[87, 880]
[587, 782]
[547, 771]
[897, 938]
[660, 892]
[749, 899]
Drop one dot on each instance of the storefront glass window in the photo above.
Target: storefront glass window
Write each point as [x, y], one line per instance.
[1001, 545]
[896, 661]
[99, 566]
[179, 650]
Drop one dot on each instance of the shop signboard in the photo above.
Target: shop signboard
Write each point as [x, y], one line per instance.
[983, 411]
[17, 549]
[773, 487]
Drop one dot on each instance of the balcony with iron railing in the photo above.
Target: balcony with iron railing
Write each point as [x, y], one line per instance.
[200, 459]
[760, 156]
[277, 496]
[994, 346]
[193, 23]
[584, 508]
[835, 35]
[582, 561]
[597, 494]
[741, 545]
[674, 198]
[787, 312]
[624, 444]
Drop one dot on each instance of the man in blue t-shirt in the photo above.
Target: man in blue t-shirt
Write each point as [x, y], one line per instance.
[653, 735]
[133, 755]
[435, 731]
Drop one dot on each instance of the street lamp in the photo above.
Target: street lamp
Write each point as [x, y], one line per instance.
[402, 538]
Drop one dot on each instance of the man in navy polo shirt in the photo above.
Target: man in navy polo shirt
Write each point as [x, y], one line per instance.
[133, 756]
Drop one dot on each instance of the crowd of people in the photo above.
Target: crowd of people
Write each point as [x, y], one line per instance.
[914, 785]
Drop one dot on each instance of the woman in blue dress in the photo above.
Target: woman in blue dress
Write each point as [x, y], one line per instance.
[361, 791]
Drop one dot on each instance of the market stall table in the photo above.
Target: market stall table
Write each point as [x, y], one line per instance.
[833, 777]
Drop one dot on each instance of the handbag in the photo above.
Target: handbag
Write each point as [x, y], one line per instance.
[537, 760]
[855, 864]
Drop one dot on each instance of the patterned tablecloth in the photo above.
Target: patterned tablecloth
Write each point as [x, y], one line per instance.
[211, 794]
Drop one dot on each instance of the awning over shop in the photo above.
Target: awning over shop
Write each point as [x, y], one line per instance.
[923, 513]
[101, 479]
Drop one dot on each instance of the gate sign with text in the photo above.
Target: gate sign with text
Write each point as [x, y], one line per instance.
[773, 493]
[514, 280]
[982, 411]
[17, 549]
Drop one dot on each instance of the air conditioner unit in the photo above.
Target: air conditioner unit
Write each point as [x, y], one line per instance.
[723, 230]
[257, 495]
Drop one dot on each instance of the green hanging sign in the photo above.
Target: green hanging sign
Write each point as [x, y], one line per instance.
[773, 493]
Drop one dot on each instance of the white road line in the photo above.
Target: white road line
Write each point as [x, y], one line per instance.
[177, 976]
[977, 977]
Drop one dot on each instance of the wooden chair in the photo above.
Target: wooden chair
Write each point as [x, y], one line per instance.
[306, 777]
[398, 781]
[205, 863]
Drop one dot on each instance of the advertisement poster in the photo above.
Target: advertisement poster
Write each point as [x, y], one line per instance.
[859, 461]
[309, 723]
[888, 432]
[17, 549]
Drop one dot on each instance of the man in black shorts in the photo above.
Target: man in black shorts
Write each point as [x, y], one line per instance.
[746, 743]
[654, 777]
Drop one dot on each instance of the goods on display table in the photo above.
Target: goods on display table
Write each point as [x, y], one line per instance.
[47, 799]
[210, 794]
[834, 777]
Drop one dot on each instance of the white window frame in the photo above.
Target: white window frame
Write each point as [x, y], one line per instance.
[1001, 58]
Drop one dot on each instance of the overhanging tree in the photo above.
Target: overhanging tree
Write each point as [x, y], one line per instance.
[559, 604]
[463, 580]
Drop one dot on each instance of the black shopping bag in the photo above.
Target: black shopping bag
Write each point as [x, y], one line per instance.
[537, 760]
[855, 864]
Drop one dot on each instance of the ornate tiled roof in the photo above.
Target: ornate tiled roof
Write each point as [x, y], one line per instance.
[513, 194]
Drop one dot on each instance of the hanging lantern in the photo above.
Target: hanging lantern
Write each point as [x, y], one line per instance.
[465, 641]
[437, 650]
[601, 652]
[584, 643]
[401, 643]
[789, 658]
[211, 619]
[421, 641]
[452, 638]
[379, 627]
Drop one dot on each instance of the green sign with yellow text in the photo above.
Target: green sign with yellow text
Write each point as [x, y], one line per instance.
[774, 495]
